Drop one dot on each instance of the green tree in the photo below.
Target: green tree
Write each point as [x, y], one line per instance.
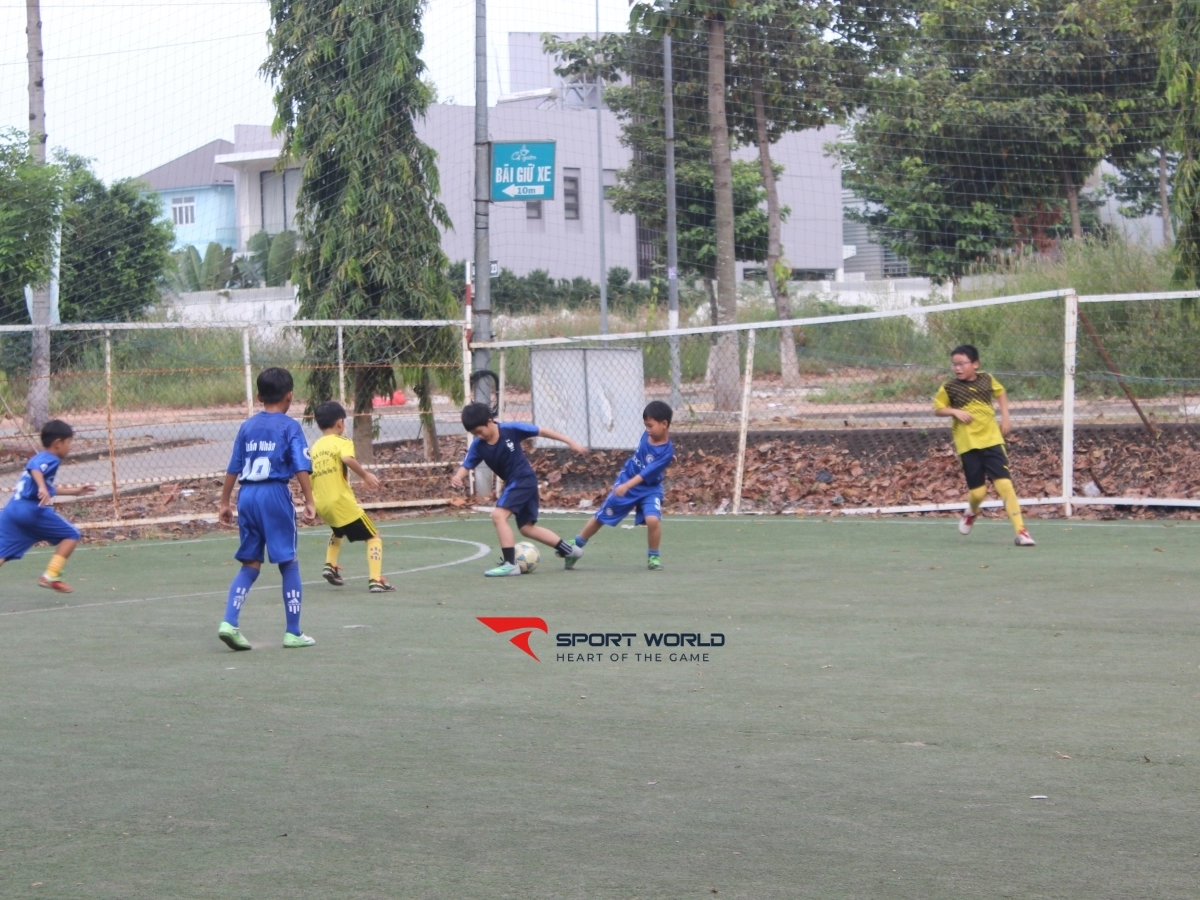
[30, 199]
[1145, 164]
[640, 188]
[1181, 75]
[799, 65]
[986, 131]
[115, 250]
[349, 89]
[708, 21]
[280, 258]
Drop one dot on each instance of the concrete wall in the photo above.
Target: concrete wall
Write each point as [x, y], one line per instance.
[566, 248]
[267, 306]
[811, 185]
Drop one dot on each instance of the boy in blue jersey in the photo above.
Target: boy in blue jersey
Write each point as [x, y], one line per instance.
[639, 486]
[498, 444]
[29, 517]
[269, 449]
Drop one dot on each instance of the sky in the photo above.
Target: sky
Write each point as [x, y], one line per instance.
[133, 84]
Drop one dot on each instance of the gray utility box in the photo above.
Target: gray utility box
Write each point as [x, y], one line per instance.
[594, 395]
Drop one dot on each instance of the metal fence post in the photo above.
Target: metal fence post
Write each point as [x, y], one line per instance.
[1070, 329]
[468, 323]
[502, 379]
[108, 402]
[466, 353]
[249, 372]
[341, 368]
[744, 425]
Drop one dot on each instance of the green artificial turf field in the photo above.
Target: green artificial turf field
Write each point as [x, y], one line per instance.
[888, 699]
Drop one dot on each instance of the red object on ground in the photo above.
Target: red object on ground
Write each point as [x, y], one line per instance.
[397, 399]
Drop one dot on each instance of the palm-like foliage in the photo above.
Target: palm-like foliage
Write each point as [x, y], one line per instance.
[349, 89]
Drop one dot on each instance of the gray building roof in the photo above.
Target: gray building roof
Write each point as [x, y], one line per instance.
[194, 169]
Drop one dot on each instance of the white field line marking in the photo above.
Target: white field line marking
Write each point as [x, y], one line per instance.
[481, 551]
[311, 531]
[928, 522]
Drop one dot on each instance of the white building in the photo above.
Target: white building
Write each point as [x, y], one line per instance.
[561, 236]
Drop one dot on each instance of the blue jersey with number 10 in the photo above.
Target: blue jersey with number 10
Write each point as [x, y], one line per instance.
[269, 447]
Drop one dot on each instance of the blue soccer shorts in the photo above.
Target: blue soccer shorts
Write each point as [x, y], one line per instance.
[24, 523]
[522, 501]
[266, 518]
[643, 504]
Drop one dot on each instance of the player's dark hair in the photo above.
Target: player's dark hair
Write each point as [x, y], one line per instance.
[329, 414]
[967, 350]
[54, 430]
[476, 415]
[658, 411]
[274, 384]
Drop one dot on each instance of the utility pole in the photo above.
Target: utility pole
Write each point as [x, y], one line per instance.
[482, 299]
[37, 401]
[672, 236]
[600, 178]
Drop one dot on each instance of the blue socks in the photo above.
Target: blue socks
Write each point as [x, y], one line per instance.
[580, 541]
[292, 589]
[653, 552]
[242, 582]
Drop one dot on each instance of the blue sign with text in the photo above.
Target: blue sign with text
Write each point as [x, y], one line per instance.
[522, 170]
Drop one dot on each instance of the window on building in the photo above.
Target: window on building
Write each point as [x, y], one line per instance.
[277, 196]
[183, 210]
[570, 193]
[533, 209]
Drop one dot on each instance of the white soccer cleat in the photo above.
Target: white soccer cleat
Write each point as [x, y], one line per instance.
[1024, 540]
[965, 523]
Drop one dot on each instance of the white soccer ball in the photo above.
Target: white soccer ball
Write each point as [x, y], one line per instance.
[527, 556]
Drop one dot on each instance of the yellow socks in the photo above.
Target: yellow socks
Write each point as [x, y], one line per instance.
[976, 496]
[332, 550]
[375, 559]
[54, 567]
[1004, 487]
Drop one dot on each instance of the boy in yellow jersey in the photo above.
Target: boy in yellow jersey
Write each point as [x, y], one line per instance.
[332, 456]
[967, 398]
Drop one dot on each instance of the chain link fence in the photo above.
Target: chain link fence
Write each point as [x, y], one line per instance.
[833, 412]
[829, 412]
[156, 406]
[1137, 399]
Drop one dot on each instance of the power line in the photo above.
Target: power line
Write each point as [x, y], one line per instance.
[231, 37]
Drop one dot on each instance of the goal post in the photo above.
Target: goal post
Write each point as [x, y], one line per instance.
[856, 435]
[1136, 435]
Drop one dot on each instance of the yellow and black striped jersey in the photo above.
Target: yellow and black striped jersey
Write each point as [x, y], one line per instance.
[975, 397]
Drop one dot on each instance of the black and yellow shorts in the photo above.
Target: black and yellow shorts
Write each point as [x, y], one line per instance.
[986, 463]
[361, 529]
